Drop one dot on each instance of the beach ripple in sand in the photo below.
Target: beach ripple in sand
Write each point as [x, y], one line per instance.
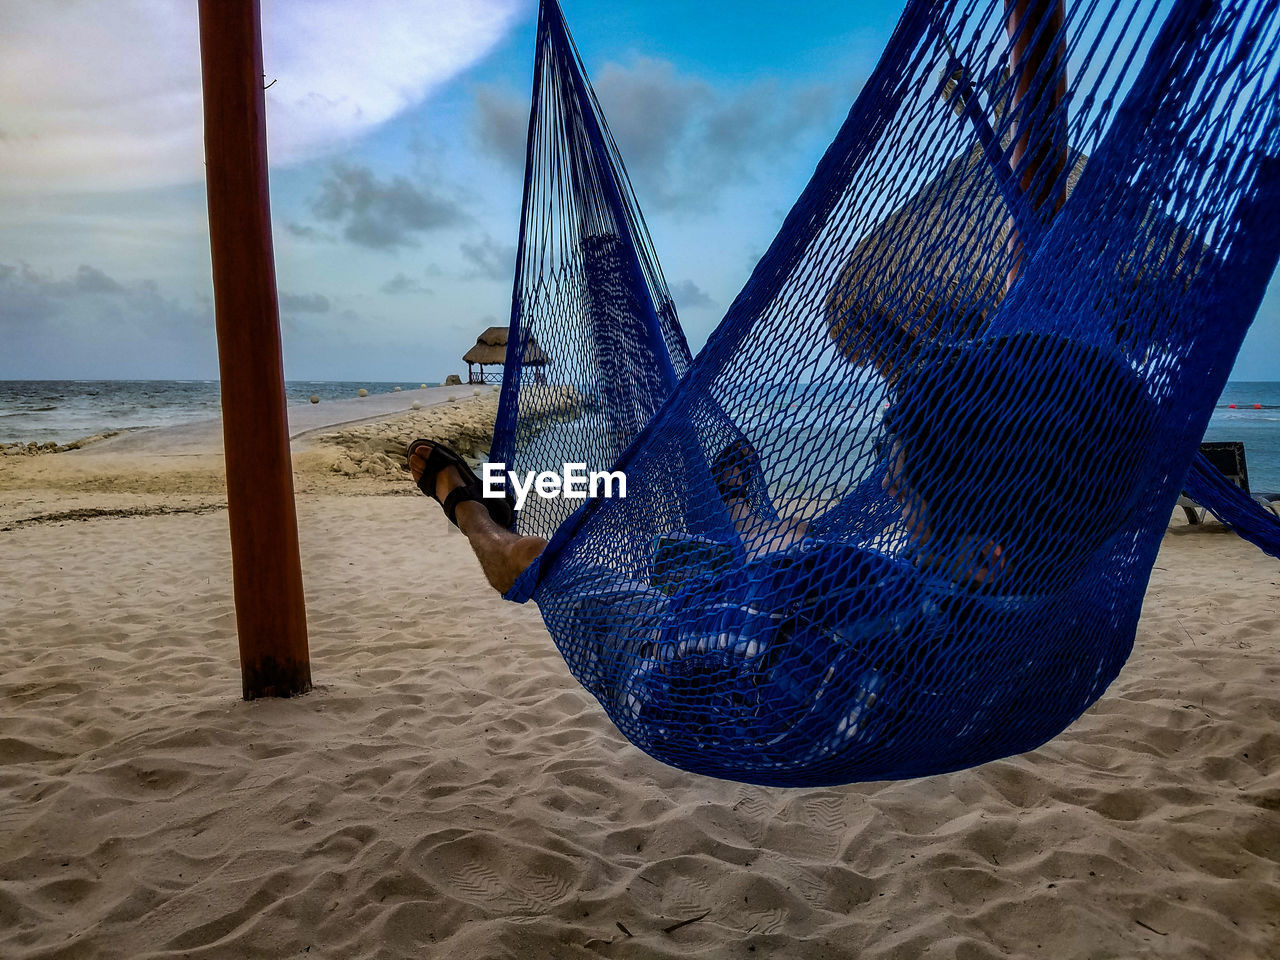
[448, 790]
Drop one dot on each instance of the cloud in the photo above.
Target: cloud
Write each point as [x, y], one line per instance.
[686, 141]
[377, 214]
[488, 259]
[683, 140]
[26, 294]
[688, 295]
[502, 125]
[651, 108]
[304, 302]
[27, 297]
[106, 96]
[402, 283]
[303, 232]
[90, 324]
[92, 280]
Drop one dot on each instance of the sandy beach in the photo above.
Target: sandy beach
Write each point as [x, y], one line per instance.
[448, 790]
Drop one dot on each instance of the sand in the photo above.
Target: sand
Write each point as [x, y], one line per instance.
[449, 791]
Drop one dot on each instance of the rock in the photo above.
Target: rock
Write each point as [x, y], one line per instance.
[314, 398]
[453, 380]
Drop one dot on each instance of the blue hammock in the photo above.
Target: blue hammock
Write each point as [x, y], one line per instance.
[898, 516]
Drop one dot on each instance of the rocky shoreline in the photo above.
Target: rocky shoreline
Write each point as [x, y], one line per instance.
[378, 449]
[35, 449]
[360, 457]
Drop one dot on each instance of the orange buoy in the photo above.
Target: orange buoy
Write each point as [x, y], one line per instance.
[1231, 406]
[1257, 406]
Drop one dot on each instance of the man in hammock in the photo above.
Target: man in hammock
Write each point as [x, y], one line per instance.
[984, 563]
[809, 602]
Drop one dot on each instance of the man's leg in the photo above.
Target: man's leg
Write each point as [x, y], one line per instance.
[503, 554]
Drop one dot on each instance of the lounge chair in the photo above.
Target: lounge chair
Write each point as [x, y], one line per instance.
[1227, 457]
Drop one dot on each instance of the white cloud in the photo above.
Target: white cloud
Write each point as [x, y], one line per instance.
[105, 94]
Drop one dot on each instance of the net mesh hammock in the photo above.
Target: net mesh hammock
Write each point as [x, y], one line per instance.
[897, 517]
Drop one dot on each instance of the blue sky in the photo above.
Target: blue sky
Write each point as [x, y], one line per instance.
[396, 131]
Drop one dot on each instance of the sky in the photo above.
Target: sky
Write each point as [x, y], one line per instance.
[395, 133]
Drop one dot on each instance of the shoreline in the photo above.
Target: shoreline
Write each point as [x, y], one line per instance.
[83, 409]
[352, 446]
[304, 419]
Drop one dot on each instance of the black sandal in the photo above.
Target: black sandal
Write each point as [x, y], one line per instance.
[501, 509]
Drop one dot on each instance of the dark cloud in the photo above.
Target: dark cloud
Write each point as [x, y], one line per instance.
[685, 142]
[303, 232]
[403, 283]
[89, 321]
[652, 111]
[688, 295]
[381, 215]
[682, 140]
[92, 280]
[26, 295]
[23, 285]
[502, 124]
[488, 259]
[304, 302]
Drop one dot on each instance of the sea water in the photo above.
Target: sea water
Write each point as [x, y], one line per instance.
[1259, 429]
[1247, 411]
[64, 410]
[1255, 420]
[59, 411]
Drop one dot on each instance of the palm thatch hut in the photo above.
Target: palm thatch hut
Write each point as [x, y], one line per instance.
[923, 272]
[491, 351]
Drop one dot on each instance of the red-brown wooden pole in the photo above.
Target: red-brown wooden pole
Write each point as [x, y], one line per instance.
[1037, 51]
[267, 573]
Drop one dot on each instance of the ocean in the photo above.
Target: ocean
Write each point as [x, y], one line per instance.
[60, 411]
[64, 410]
[1258, 428]
[1254, 419]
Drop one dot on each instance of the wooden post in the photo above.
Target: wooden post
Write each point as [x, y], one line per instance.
[1037, 52]
[267, 573]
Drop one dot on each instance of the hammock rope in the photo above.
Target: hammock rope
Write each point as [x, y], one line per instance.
[898, 515]
[589, 292]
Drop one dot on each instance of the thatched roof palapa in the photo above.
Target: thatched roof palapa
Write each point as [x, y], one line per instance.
[491, 350]
[923, 271]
